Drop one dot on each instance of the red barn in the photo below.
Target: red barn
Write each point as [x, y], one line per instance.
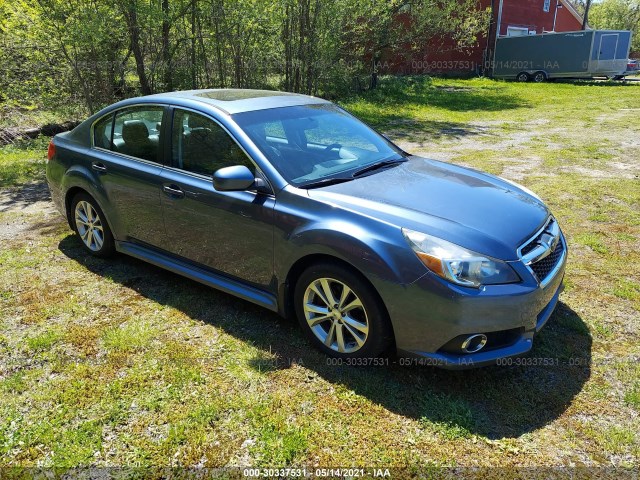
[508, 17]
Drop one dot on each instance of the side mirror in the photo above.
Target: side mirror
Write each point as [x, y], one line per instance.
[231, 179]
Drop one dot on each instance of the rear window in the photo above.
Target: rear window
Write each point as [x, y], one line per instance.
[102, 132]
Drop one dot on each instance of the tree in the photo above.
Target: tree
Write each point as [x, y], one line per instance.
[410, 25]
[585, 17]
[84, 37]
[109, 49]
[130, 13]
[618, 15]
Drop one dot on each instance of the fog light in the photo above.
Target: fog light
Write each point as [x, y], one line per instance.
[474, 343]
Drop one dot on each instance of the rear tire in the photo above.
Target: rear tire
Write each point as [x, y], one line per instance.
[523, 77]
[540, 77]
[340, 313]
[90, 223]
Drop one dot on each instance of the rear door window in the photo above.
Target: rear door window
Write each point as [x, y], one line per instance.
[136, 132]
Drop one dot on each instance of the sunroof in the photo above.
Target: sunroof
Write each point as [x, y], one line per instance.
[231, 94]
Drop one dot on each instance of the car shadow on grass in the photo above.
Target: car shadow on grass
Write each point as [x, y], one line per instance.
[494, 402]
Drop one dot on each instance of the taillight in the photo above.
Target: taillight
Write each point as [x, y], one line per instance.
[51, 151]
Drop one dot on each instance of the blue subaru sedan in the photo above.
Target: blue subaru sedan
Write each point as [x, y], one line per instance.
[291, 203]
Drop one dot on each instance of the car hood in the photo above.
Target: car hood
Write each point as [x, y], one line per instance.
[473, 209]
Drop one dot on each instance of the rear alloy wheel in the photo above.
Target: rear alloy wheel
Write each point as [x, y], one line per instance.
[523, 77]
[539, 77]
[90, 225]
[340, 314]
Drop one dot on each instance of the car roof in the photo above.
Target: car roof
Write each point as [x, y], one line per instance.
[238, 100]
[228, 101]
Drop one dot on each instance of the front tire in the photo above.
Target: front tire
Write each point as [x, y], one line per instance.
[523, 77]
[340, 313]
[90, 223]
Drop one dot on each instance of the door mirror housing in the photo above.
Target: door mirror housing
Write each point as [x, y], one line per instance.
[232, 179]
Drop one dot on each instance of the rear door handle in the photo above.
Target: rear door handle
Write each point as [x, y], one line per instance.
[99, 167]
[173, 190]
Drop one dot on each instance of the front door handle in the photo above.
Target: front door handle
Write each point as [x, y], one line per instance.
[173, 190]
[99, 167]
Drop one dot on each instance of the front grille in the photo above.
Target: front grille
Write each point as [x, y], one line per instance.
[545, 266]
[529, 246]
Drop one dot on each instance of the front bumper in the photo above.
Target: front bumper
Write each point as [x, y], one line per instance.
[429, 313]
[483, 358]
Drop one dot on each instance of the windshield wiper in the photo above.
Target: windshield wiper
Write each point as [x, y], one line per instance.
[369, 168]
[378, 166]
[324, 182]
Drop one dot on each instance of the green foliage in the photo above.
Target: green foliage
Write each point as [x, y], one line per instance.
[23, 162]
[90, 54]
[617, 15]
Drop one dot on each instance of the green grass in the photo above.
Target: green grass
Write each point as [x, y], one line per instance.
[115, 362]
[22, 162]
[593, 241]
[632, 397]
[128, 338]
[627, 289]
[43, 341]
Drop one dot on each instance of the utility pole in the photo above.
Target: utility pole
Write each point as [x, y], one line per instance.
[497, 34]
[555, 15]
[499, 19]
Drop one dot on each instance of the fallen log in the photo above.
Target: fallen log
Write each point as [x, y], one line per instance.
[10, 135]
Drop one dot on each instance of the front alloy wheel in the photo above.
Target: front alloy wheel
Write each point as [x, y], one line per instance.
[336, 315]
[340, 312]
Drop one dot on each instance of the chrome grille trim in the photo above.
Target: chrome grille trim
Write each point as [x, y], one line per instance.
[548, 241]
[533, 237]
[560, 263]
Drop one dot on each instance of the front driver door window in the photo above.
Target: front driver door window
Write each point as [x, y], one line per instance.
[200, 145]
[231, 232]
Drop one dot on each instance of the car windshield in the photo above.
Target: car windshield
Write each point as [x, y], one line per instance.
[312, 144]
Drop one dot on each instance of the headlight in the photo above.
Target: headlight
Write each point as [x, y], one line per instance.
[457, 264]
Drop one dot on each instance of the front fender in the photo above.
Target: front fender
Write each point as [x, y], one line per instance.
[378, 251]
[371, 254]
[381, 255]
